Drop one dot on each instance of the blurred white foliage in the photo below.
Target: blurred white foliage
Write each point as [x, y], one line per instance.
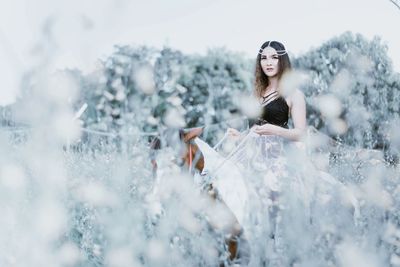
[350, 254]
[117, 83]
[348, 198]
[60, 88]
[50, 219]
[120, 95]
[248, 105]
[119, 70]
[11, 76]
[394, 136]
[66, 127]
[153, 205]
[392, 235]
[375, 194]
[315, 140]
[174, 100]
[395, 260]
[96, 250]
[188, 221]
[341, 83]
[363, 63]
[9, 215]
[338, 126]
[156, 250]
[321, 161]
[144, 78]
[211, 252]
[292, 80]
[108, 95]
[12, 177]
[359, 115]
[96, 194]
[271, 181]
[174, 118]
[219, 216]
[229, 145]
[181, 89]
[152, 120]
[50, 177]
[81, 110]
[69, 254]
[121, 257]
[329, 106]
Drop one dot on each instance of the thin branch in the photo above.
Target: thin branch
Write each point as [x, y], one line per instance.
[395, 3]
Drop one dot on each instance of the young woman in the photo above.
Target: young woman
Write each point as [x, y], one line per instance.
[282, 202]
[277, 105]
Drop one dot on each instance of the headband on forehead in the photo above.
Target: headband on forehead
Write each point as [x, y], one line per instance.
[279, 52]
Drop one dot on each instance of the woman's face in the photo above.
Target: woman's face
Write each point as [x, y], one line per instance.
[270, 61]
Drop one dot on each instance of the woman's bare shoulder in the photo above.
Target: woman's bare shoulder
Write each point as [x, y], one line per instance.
[297, 93]
[295, 96]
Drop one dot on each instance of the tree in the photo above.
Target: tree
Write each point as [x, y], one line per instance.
[359, 73]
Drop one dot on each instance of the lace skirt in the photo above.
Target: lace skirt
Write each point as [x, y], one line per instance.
[281, 200]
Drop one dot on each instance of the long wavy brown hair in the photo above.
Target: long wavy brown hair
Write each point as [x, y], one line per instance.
[261, 81]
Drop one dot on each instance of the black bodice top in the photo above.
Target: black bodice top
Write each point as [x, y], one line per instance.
[275, 111]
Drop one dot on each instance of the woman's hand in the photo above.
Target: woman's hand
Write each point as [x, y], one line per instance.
[266, 129]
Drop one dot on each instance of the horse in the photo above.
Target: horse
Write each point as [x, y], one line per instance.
[191, 160]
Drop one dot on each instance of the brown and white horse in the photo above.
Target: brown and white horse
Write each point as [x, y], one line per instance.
[192, 161]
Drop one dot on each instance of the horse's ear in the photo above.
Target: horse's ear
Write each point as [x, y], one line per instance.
[181, 134]
[155, 143]
[193, 133]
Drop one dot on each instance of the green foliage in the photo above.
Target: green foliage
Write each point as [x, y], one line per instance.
[359, 73]
[355, 70]
[203, 86]
[113, 96]
[211, 81]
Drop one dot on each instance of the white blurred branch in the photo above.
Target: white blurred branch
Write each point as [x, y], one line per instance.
[396, 3]
[80, 111]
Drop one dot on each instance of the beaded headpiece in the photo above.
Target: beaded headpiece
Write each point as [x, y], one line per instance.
[279, 52]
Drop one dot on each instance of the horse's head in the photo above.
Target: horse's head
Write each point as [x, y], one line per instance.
[191, 154]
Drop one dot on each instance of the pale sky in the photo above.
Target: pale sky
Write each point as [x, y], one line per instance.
[84, 30]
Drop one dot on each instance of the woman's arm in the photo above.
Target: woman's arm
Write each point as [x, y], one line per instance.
[298, 114]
